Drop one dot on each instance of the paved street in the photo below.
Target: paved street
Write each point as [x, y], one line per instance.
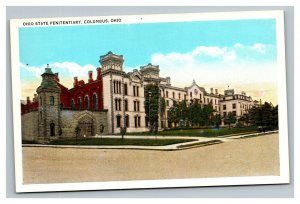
[240, 157]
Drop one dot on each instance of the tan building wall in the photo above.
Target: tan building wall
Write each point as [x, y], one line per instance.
[29, 123]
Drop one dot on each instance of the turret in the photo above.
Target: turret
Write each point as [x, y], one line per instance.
[49, 106]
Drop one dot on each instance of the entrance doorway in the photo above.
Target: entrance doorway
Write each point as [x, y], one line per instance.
[86, 127]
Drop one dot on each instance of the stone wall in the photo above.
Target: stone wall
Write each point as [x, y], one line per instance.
[29, 123]
[69, 120]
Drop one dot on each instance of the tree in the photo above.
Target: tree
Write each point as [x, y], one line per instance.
[123, 132]
[264, 116]
[154, 105]
[217, 120]
[230, 119]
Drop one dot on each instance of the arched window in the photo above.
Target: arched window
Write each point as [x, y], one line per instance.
[52, 100]
[95, 101]
[72, 104]
[118, 121]
[52, 129]
[86, 102]
[79, 102]
[127, 120]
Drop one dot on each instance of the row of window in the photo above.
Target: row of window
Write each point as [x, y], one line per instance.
[118, 102]
[117, 86]
[86, 103]
[137, 121]
[173, 95]
[244, 106]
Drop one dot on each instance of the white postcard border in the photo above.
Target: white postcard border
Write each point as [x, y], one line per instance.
[282, 103]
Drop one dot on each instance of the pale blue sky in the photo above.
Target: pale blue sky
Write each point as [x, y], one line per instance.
[199, 48]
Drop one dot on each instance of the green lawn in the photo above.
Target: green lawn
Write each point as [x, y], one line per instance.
[202, 132]
[118, 141]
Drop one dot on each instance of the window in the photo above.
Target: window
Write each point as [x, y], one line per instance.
[139, 121]
[233, 106]
[125, 89]
[86, 102]
[184, 96]
[118, 104]
[137, 91]
[134, 105]
[127, 121]
[179, 95]
[95, 101]
[79, 102]
[224, 107]
[118, 121]
[146, 121]
[138, 106]
[167, 102]
[234, 113]
[167, 94]
[191, 94]
[72, 104]
[134, 91]
[173, 95]
[126, 105]
[114, 86]
[135, 121]
[52, 100]
[224, 114]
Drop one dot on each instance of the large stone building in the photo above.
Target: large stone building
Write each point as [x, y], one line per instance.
[113, 100]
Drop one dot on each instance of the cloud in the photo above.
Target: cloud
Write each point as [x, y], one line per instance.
[218, 67]
[31, 75]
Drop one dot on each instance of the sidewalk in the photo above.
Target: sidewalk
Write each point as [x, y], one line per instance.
[200, 141]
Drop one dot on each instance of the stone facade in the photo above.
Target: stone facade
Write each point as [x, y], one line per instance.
[29, 125]
[115, 99]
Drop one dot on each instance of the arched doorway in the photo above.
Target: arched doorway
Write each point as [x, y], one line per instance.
[52, 129]
[86, 126]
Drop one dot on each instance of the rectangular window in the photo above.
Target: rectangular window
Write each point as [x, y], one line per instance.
[118, 121]
[224, 107]
[134, 105]
[179, 95]
[126, 105]
[184, 96]
[173, 95]
[137, 91]
[167, 94]
[133, 90]
[139, 121]
[127, 121]
[234, 113]
[125, 89]
[233, 106]
[138, 106]
[135, 121]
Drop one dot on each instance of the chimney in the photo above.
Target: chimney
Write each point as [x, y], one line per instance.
[216, 91]
[98, 73]
[211, 90]
[28, 100]
[56, 77]
[90, 76]
[75, 81]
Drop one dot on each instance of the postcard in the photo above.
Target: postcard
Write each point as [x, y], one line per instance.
[149, 101]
